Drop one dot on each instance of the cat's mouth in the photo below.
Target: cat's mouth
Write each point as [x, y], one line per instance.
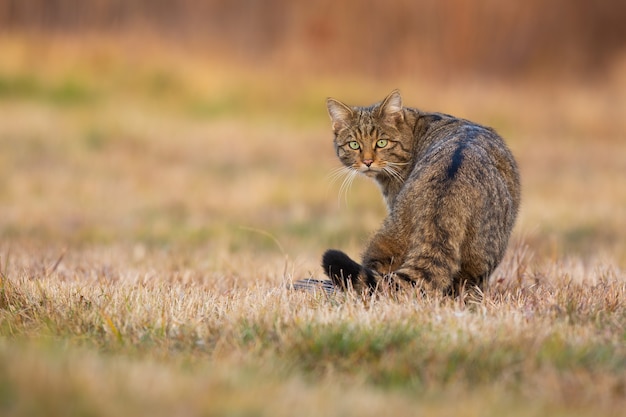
[369, 170]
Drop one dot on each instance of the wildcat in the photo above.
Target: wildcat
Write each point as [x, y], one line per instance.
[452, 191]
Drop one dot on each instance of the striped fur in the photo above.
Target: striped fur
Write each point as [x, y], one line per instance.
[452, 191]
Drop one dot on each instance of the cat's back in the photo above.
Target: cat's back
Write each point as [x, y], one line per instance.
[453, 150]
[464, 181]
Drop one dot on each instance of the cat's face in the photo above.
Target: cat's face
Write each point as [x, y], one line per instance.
[367, 139]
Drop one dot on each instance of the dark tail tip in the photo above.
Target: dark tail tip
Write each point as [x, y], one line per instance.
[340, 268]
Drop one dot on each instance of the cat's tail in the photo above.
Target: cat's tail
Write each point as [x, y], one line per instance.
[346, 273]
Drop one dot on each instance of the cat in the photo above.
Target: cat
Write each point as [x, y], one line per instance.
[452, 191]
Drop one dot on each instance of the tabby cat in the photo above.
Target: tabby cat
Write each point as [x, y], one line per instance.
[452, 191]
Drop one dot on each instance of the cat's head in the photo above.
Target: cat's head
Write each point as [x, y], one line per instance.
[371, 140]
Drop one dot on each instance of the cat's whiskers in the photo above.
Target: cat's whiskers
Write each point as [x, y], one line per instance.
[337, 173]
[346, 184]
[391, 170]
[348, 174]
[392, 173]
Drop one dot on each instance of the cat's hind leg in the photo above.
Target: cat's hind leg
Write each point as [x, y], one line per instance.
[433, 262]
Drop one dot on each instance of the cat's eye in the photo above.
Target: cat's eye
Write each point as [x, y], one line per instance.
[381, 143]
[354, 145]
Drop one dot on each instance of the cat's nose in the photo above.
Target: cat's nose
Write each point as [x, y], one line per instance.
[368, 162]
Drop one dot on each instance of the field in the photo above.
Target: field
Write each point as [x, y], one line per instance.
[154, 208]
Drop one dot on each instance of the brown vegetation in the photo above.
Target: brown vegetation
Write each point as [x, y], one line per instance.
[371, 37]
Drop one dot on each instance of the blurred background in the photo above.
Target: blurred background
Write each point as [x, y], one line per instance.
[373, 38]
[203, 124]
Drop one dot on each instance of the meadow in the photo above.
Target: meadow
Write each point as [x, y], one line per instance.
[155, 206]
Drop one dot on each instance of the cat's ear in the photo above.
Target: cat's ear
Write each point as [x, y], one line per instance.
[391, 108]
[339, 113]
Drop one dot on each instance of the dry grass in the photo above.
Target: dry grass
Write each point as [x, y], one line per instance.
[153, 209]
[108, 334]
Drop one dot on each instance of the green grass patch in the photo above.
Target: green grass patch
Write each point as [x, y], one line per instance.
[69, 91]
